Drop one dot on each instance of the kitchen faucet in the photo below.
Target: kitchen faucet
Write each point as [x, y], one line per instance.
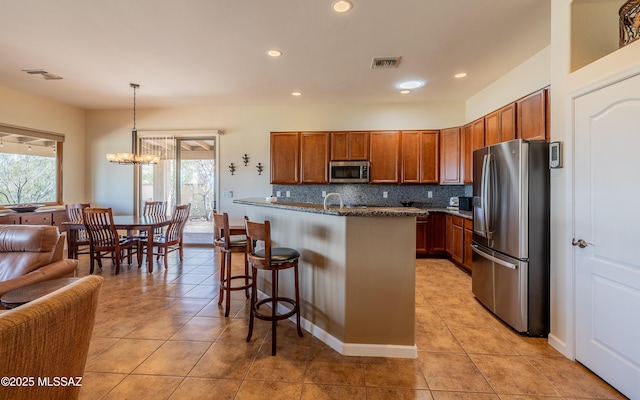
[333, 194]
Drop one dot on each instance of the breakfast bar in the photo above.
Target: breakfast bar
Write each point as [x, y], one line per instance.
[357, 272]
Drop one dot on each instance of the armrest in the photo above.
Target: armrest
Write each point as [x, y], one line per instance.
[59, 269]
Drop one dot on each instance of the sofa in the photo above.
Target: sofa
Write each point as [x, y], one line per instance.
[44, 344]
[30, 254]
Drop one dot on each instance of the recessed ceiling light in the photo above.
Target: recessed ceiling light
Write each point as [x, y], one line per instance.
[412, 84]
[274, 53]
[405, 91]
[296, 94]
[341, 6]
[460, 75]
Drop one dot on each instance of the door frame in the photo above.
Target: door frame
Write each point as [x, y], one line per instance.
[182, 133]
[566, 247]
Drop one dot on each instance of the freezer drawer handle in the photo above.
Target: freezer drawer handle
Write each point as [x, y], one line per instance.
[496, 260]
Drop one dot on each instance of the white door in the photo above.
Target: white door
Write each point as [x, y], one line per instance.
[607, 219]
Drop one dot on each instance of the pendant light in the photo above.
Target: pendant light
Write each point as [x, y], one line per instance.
[133, 157]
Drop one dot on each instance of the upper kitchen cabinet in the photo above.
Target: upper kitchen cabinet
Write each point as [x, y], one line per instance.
[314, 157]
[349, 146]
[500, 125]
[420, 156]
[384, 154]
[532, 116]
[450, 156]
[472, 139]
[285, 157]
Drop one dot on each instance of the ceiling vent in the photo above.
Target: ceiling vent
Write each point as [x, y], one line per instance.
[46, 75]
[385, 62]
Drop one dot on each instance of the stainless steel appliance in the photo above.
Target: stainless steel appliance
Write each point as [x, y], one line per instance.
[510, 264]
[349, 171]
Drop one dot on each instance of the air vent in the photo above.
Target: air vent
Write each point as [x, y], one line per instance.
[385, 62]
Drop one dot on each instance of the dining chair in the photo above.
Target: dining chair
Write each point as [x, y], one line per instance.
[81, 243]
[172, 238]
[104, 238]
[153, 209]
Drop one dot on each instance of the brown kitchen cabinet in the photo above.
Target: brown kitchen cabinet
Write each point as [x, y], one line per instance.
[532, 116]
[472, 139]
[314, 157]
[349, 146]
[468, 239]
[285, 157]
[500, 125]
[430, 235]
[420, 156]
[450, 156]
[384, 154]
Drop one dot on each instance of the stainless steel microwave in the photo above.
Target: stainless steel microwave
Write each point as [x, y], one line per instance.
[349, 171]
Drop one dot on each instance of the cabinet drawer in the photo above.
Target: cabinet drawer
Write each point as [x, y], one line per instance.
[458, 221]
[37, 219]
[468, 224]
[9, 219]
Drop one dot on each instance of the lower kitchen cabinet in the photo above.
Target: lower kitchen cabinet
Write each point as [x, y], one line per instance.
[468, 238]
[459, 235]
[430, 235]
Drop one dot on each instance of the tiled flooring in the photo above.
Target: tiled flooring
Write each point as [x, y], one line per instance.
[163, 336]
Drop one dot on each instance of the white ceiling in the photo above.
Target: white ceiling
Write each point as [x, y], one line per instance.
[213, 52]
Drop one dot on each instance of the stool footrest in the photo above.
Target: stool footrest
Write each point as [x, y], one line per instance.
[226, 281]
[278, 317]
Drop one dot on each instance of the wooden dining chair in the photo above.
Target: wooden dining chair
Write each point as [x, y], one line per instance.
[172, 238]
[80, 245]
[153, 209]
[104, 238]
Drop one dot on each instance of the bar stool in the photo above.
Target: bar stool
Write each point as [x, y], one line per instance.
[272, 259]
[228, 244]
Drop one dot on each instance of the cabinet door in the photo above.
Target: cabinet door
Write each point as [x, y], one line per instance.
[436, 234]
[411, 157]
[450, 156]
[430, 157]
[449, 234]
[492, 128]
[421, 235]
[507, 116]
[347, 146]
[285, 157]
[314, 157]
[457, 243]
[384, 156]
[468, 239]
[532, 118]
[472, 139]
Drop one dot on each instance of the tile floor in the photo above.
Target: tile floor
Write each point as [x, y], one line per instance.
[163, 336]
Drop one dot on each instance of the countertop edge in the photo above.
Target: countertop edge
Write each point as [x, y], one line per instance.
[335, 210]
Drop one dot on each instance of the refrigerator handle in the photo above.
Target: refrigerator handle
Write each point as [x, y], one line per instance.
[496, 260]
[491, 196]
[485, 195]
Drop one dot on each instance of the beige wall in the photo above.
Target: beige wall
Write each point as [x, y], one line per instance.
[246, 130]
[531, 75]
[28, 111]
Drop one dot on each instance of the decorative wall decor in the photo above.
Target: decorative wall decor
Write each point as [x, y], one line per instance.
[232, 168]
[260, 168]
[629, 22]
[245, 159]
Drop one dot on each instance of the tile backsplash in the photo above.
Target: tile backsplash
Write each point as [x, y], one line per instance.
[373, 195]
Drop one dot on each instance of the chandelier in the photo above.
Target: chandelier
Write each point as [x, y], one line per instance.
[134, 157]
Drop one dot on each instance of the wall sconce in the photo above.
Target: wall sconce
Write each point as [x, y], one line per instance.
[260, 168]
[232, 168]
[245, 159]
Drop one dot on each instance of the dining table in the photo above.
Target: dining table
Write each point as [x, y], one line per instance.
[129, 223]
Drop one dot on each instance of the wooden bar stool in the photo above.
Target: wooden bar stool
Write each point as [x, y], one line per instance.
[272, 259]
[228, 243]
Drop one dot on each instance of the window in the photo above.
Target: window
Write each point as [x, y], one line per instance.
[30, 166]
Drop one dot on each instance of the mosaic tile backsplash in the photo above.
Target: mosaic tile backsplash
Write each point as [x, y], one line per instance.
[373, 195]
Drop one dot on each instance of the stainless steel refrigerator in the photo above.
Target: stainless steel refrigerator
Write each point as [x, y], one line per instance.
[510, 264]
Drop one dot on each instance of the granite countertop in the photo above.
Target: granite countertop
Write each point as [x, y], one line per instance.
[347, 211]
[463, 214]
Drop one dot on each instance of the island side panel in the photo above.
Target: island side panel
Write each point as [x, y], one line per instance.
[320, 239]
[380, 280]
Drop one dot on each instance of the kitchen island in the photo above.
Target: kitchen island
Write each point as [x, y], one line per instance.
[357, 272]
